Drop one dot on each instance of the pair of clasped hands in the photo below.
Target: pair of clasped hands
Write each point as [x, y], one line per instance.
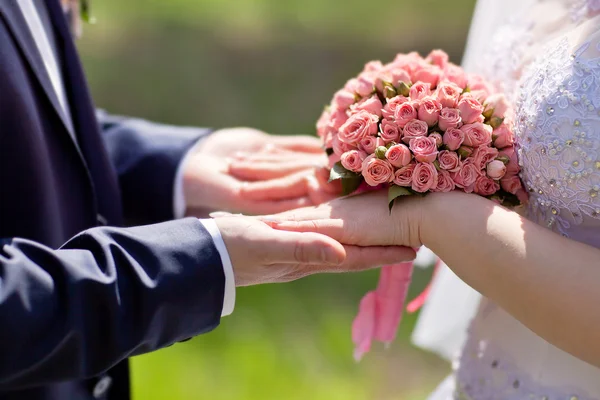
[299, 225]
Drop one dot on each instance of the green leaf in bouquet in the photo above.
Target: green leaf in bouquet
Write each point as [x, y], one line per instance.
[495, 122]
[403, 89]
[339, 172]
[349, 185]
[396, 191]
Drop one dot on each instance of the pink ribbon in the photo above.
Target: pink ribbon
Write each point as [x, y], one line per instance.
[380, 310]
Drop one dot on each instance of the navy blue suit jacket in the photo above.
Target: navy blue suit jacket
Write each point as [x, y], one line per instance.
[78, 295]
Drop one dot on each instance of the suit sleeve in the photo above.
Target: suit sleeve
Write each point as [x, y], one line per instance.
[146, 157]
[105, 295]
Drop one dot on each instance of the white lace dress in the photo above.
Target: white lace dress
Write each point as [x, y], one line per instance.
[546, 56]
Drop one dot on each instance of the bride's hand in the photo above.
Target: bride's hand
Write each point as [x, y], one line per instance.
[363, 220]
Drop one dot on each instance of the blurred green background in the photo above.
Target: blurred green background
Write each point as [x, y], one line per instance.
[269, 64]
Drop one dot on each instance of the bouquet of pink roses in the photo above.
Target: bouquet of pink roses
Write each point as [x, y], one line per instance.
[414, 126]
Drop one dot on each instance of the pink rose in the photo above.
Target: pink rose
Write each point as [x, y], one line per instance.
[409, 62]
[340, 147]
[438, 138]
[427, 73]
[509, 153]
[424, 177]
[338, 118]
[399, 75]
[370, 143]
[352, 85]
[448, 160]
[466, 175]
[376, 171]
[497, 104]
[477, 82]
[429, 110]
[352, 160]
[373, 66]
[477, 134]
[438, 57]
[403, 176]
[398, 155]
[370, 104]
[420, 90]
[343, 98]
[323, 124]
[445, 182]
[424, 149]
[496, 169]
[455, 74]
[470, 109]
[358, 126]
[503, 136]
[453, 138]
[449, 118]
[389, 110]
[511, 183]
[448, 93]
[478, 95]
[414, 129]
[404, 113]
[382, 77]
[366, 83]
[388, 131]
[333, 159]
[485, 186]
[483, 155]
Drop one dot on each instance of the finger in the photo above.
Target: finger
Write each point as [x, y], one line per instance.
[306, 249]
[317, 192]
[260, 171]
[274, 206]
[335, 228]
[365, 258]
[279, 156]
[333, 187]
[289, 187]
[308, 144]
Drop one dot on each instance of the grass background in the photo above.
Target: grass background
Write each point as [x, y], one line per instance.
[269, 64]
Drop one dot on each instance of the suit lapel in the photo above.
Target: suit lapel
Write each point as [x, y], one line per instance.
[20, 30]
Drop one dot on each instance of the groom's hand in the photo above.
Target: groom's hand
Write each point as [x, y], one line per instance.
[246, 170]
[260, 254]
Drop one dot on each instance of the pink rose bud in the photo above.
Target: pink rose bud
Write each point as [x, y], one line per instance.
[370, 143]
[404, 113]
[373, 66]
[503, 137]
[455, 74]
[483, 155]
[403, 89]
[478, 83]
[496, 169]
[511, 183]
[420, 90]
[414, 129]
[449, 118]
[512, 167]
[477, 134]
[352, 85]
[496, 105]
[470, 109]
[424, 149]
[445, 182]
[437, 137]
[380, 152]
[343, 98]
[485, 186]
[358, 126]
[366, 84]
[429, 110]
[352, 160]
[448, 94]
[376, 171]
[448, 160]
[453, 138]
[389, 91]
[398, 155]
[466, 176]
[399, 75]
[424, 178]
[370, 104]
[427, 73]
[403, 176]
[388, 131]
[478, 95]
[438, 57]
[464, 151]
[390, 109]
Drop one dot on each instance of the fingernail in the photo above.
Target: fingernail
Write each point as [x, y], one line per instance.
[222, 214]
[331, 256]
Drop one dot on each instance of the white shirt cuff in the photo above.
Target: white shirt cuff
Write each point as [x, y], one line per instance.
[229, 298]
